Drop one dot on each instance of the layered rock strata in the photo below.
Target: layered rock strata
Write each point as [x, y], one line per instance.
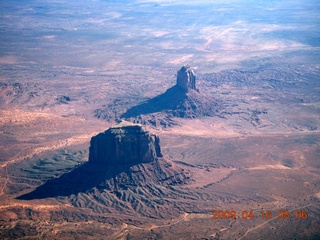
[124, 143]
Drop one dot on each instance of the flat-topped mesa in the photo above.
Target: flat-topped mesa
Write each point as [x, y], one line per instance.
[125, 143]
[186, 79]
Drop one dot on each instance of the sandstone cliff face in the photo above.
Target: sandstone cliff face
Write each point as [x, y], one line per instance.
[183, 100]
[186, 79]
[124, 144]
[126, 174]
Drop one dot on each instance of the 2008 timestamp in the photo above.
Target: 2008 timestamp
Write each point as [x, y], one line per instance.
[263, 214]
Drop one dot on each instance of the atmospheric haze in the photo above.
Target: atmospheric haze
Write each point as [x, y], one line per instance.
[229, 90]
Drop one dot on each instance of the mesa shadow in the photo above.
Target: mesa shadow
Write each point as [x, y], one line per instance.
[81, 179]
[172, 100]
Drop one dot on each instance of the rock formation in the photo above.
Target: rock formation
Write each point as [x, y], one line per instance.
[126, 174]
[124, 143]
[182, 100]
[186, 79]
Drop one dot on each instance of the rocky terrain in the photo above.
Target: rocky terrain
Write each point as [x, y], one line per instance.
[183, 100]
[125, 173]
[50, 190]
[239, 129]
[124, 144]
[186, 79]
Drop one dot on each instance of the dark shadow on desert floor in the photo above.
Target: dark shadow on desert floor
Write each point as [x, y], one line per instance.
[81, 179]
[172, 99]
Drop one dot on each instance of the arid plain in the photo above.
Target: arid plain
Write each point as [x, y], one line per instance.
[72, 69]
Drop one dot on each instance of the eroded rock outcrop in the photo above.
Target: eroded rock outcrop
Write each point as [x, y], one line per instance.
[137, 180]
[183, 100]
[124, 143]
[186, 79]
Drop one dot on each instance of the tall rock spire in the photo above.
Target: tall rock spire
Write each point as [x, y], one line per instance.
[186, 78]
